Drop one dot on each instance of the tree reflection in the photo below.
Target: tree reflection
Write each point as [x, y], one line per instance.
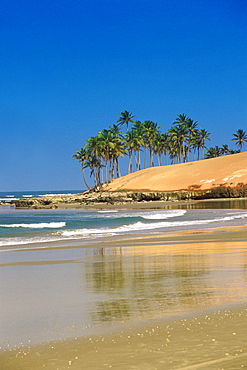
[129, 284]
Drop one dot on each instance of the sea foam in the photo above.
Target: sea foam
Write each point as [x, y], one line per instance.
[164, 215]
[41, 225]
[142, 226]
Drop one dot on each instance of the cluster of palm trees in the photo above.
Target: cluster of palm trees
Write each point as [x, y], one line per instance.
[101, 153]
[240, 137]
[184, 140]
[217, 151]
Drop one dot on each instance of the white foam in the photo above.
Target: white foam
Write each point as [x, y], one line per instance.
[108, 211]
[42, 225]
[54, 195]
[151, 215]
[22, 241]
[140, 226]
[164, 215]
[8, 199]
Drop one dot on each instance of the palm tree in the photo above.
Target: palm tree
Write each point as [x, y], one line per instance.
[240, 137]
[137, 129]
[178, 135]
[181, 119]
[125, 117]
[213, 152]
[116, 131]
[130, 142]
[173, 152]
[93, 147]
[95, 165]
[165, 140]
[106, 143]
[118, 149]
[160, 146]
[225, 149]
[82, 156]
[202, 136]
[193, 129]
[150, 130]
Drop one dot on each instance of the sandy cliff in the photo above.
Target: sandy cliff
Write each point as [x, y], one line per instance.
[200, 175]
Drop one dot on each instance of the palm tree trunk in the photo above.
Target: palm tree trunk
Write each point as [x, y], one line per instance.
[106, 171]
[117, 167]
[139, 160]
[151, 157]
[84, 179]
[130, 162]
[145, 158]
[111, 169]
[160, 159]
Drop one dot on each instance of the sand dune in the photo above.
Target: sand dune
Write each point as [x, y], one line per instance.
[200, 175]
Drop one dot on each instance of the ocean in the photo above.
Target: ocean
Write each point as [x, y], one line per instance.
[7, 196]
[26, 228]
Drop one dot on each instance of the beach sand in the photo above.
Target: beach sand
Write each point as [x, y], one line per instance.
[174, 301]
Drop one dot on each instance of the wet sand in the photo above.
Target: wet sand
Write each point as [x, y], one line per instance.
[174, 301]
[212, 340]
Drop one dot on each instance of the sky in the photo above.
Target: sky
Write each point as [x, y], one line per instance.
[68, 68]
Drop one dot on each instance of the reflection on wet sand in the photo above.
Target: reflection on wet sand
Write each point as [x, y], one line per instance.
[155, 303]
[152, 280]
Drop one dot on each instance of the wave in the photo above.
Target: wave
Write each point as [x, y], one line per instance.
[41, 225]
[108, 211]
[54, 195]
[8, 199]
[141, 226]
[149, 215]
[4, 242]
[129, 225]
[164, 215]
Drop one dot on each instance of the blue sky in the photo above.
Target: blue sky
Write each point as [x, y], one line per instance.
[68, 68]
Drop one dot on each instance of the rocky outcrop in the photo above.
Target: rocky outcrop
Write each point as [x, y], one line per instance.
[116, 198]
[99, 198]
[76, 200]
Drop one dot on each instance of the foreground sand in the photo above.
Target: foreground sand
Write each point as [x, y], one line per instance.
[174, 301]
[212, 340]
[200, 175]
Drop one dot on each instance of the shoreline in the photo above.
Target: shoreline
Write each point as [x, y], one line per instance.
[184, 236]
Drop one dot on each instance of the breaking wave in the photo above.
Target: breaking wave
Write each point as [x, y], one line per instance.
[41, 225]
[164, 215]
[142, 226]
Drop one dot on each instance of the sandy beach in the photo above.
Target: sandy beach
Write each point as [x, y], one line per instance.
[174, 301]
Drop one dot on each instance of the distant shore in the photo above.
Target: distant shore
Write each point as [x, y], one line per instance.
[120, 200]
[210, 179]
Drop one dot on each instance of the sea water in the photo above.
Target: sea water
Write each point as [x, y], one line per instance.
[28, 228]
[7, 196]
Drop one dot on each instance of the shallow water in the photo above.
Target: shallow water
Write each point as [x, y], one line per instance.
[26, 228]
